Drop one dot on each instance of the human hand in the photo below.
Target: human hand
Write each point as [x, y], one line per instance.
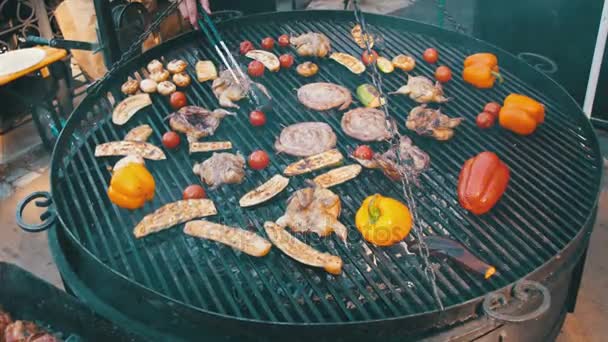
[189, 10]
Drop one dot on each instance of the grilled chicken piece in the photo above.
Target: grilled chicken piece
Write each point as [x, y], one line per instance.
[227, 90]
[422, 90]
[365, 124]
[415, 161]
[306, 139]
[314, 209]
[221, 168]
[311, 44]
[5, 320]
[324, 96]
[237, 238]
[43, 337]
[300, 251]
[197, 122]
[172, 214]
[20, 331]
[431, 122]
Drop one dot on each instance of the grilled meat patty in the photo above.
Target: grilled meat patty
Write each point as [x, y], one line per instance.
[365, 124]
[324, 96]
[306, 139]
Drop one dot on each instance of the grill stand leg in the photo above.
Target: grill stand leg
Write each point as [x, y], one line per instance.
[575, 282]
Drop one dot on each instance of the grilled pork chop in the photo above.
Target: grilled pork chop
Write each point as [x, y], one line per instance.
[324, 96]
[221, 168]
[316, 210]
[432, 122]
[197, 122]
[414, 161]
[227, 90]
[365, 124]
[311, 44]
[306, 139]
[422, 90]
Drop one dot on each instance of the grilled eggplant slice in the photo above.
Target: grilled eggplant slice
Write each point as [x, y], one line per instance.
[352, 63]
[210, 146]
[128, 107]
[125, 148]
[269, 59]
[300, 251]
[338, 175]
[264, 192]
[173, 214]
[139, 133]
[240, 239]
[312, 163]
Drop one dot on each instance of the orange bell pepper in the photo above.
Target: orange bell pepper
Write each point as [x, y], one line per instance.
[482, 181]
[481, 70]
[131, 186]
[521, 114]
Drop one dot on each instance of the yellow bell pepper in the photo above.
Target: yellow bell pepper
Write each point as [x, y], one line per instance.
[383, 221]
[131, 186]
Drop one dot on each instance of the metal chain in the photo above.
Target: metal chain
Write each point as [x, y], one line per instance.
[406, 186]
[135, 47]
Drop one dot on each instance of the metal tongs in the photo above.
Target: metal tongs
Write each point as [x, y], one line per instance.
[260, 100]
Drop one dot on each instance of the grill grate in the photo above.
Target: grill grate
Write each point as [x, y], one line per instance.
[555, 176]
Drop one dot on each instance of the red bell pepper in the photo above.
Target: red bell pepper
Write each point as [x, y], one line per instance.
[482, 181]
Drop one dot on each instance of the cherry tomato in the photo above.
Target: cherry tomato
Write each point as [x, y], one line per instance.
[257, 118]
[194, 191]
[171, 139]
[369, 59]
[492, 108]
[430, 55]
[255, 69]
[443, 74]
[258, 160]
[485, 120]
[286, 60]
[178, 100]
[363, 152]
[267, 43]
[283, 40]
[245, 47]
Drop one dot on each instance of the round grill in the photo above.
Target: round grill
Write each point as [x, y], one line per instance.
[551, 196]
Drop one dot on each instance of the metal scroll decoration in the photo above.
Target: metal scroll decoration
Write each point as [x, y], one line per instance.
[21, 22]
[423, 250]
[496, 304]
[539, 62]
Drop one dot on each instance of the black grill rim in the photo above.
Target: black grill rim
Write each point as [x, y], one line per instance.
[540, 81]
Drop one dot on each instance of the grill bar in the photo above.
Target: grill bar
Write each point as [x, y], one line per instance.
[548, 200]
